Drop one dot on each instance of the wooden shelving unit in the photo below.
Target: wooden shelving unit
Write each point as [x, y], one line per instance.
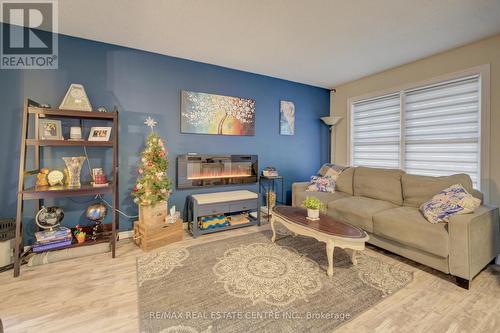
[39, 193]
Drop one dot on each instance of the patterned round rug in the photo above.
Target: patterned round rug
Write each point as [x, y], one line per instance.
[249, 284]
[269, 273]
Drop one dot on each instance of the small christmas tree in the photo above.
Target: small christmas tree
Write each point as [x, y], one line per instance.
[153, 184]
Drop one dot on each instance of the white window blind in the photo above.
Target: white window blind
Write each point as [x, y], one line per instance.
[375, 132]
[442, 129]
[436, 131]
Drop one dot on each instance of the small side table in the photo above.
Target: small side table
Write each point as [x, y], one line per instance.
[270, 184]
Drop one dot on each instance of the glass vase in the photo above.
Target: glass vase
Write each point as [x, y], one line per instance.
[74, 167]
[271, 199]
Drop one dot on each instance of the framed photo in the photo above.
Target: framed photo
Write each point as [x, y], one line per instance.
[287, 118]
[97, 172]
[49, 129]
[100, 133]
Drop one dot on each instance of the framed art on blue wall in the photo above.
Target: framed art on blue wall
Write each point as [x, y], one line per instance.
[203, 113]
[287, 118]
[49, 129]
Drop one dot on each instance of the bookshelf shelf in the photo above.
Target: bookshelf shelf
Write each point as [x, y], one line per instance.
[43, 112]
[66, 143]
[43, 192]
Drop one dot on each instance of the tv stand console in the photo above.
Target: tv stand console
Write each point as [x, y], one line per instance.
[222, 203]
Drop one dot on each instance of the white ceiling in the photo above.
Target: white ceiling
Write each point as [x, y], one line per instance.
[318, 42]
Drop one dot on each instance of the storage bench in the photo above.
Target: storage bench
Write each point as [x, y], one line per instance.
[222, 203]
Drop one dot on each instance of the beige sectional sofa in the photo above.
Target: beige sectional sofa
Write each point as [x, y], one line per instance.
[385, 203]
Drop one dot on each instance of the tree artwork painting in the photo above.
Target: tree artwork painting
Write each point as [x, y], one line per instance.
[215, 114]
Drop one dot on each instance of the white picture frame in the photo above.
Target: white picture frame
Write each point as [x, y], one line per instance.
[49, 129]
[100, 133]
[76, 99]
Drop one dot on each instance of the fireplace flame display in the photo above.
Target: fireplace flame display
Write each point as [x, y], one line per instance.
[215, 170]
[206, 175]
[221, 169]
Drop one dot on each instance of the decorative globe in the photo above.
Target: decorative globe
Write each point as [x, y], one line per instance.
[49, 217]
[96, 212]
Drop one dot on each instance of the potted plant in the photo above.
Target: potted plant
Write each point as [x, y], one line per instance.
[153, 186]
[313, 206]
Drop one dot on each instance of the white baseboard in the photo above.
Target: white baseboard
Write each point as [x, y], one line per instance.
[126, 234]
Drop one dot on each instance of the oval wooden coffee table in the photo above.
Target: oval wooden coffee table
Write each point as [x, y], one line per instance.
[326, 229]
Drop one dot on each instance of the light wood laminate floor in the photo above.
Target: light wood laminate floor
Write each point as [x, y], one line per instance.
[99, 294]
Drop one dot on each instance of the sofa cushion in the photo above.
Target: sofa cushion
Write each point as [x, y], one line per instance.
[406, 225]
[344, 181]
[454, 200]
[321, 184]
[420, 189]
[357, 211]
[381, 184]
[331, 170]
[325, 197]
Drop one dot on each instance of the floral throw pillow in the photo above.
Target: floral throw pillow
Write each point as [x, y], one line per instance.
[321, 184]
[450, 201]
[331, 170]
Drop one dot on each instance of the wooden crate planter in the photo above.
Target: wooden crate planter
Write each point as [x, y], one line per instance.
[153, 215]
[151, 237]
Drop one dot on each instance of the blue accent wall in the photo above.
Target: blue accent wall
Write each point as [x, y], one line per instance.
[140, 84]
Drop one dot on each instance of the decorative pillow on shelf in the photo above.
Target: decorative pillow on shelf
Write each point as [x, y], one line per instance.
[321, 184]
[331, 170]
[453, 200]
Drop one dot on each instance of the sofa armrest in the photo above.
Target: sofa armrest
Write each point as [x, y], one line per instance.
[477, 194]
[474, 241]
[298, 187]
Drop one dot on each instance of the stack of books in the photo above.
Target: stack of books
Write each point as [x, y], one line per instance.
[53, 239]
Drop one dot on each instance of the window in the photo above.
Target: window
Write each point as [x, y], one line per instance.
[433, 130]
[375, 134]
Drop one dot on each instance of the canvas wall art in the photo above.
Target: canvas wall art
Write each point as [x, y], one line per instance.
[203, 113]
[287, 118]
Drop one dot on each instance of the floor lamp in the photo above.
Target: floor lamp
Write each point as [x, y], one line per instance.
[332, 121]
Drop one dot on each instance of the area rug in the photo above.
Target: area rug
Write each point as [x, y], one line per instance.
[249, 284]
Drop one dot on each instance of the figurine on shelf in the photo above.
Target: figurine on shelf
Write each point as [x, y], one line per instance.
[41, 177]
[79, 234]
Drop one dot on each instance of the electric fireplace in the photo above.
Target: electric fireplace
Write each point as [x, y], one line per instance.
[195, 170]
